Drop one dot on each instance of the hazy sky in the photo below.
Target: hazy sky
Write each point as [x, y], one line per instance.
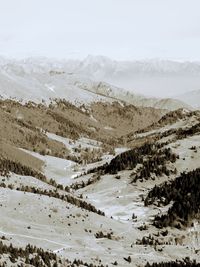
[120, 29]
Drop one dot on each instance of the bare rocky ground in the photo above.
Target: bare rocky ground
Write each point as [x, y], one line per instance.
[64, 143]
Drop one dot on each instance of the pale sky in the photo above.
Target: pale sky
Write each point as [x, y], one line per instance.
[120, 29]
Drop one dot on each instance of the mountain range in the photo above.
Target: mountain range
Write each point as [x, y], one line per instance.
[93, 173]
[99, 78]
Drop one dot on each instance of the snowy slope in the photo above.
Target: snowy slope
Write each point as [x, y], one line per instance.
[149, 77]
[41, 85]
[55, 224]
[78, 82]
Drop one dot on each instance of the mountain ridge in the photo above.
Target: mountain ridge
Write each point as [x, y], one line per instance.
[191, 98]
[41, 79]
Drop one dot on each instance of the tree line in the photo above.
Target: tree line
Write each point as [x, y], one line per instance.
[34, 256]
[184, 263]
[7, 166]
[68, 198]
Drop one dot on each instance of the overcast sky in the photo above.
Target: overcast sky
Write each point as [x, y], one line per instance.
[120, 29]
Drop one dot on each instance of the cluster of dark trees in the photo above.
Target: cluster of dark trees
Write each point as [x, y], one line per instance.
[10, 186]
[184, 192]
[7, 165]
[82, 184]
[100, 234]
[81, 263]
[184, 263]
[58, 186]
[151, 156]
[150, 241]
[168, 118]
[31, 255]
[3, 172]
[156, 164]
[171, 117]
[128, 159]
[183, 133]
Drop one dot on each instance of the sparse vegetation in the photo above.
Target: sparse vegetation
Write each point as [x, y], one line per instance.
[55, 194]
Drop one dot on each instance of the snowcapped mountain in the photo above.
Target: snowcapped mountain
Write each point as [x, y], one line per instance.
[98, 176]
[80, 81]
[41, 80]
[149, 77]
[146, 66]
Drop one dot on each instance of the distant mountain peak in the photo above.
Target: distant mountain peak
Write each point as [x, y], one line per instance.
[93, 78]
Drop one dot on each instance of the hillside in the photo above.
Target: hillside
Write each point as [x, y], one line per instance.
[97, 176]
[94, 175]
